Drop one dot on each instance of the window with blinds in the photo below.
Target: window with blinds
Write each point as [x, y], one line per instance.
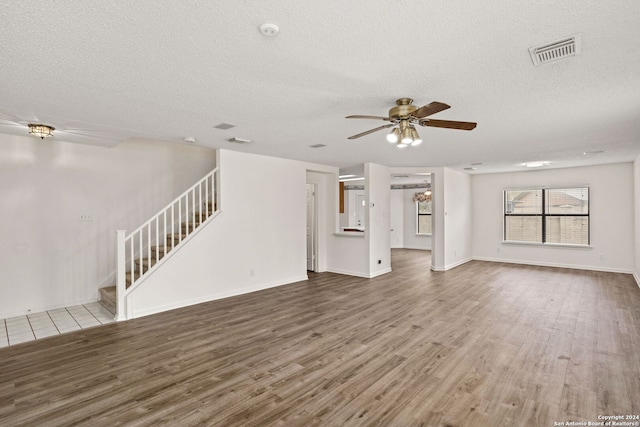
[547, 215]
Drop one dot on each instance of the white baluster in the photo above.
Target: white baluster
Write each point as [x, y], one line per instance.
[121, 264]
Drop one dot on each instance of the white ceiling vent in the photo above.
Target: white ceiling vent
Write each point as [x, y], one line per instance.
[238, 140]
[557, 50]
[224, 126]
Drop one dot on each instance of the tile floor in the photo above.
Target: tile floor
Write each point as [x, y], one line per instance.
[16, 330]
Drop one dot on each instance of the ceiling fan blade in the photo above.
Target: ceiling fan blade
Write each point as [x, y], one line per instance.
[429, 109]
[449, 124]
[371, 131]
[357, 116]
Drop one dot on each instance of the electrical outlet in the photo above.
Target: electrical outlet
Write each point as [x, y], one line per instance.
[86, 218]
[379, 261]
[252, 272]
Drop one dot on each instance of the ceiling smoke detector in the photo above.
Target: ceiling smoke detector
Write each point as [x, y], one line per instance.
[556, 50]
[269, 30]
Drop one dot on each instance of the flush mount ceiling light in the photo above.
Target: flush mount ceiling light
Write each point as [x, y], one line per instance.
[405, 116]
[535, 164]
[41, 131]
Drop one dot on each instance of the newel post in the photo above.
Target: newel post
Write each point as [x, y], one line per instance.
[121, 286]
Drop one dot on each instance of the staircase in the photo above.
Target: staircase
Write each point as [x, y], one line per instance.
[142, 250]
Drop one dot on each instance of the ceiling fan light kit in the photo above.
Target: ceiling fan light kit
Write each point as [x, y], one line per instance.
[405, 115]
[41, 131]
[393, 136]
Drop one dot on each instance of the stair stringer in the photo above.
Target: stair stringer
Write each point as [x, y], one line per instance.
[157, 268]
[202, 271]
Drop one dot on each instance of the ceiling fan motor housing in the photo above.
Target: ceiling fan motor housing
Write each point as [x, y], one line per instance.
[403, 109]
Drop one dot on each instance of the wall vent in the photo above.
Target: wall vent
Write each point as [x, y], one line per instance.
[317, 146]
[239, 140]
[557, 50]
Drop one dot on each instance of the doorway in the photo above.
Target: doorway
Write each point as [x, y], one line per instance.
[311, 227]
[360, 205]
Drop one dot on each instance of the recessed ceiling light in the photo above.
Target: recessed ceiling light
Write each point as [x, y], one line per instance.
[586, 153]
[352, 179]
[346, 176]
[476, 164]
[269, 30]
[469, 169]
[317, 146]
[189, 140]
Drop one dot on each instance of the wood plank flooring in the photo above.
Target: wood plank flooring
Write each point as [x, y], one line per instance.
[485, 344]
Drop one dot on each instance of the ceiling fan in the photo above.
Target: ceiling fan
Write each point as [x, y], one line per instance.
[405, 115]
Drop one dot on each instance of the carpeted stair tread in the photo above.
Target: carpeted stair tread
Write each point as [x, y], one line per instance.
[108, 298]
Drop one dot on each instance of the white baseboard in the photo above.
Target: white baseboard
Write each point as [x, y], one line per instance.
[380, 273]
[348, 272]
[206, 298]
[557, 265]
[635, 276]
[420, 248]
[450, 266]
[44, 308]
[360, 274]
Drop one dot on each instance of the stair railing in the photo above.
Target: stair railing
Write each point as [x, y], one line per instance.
[136, 254]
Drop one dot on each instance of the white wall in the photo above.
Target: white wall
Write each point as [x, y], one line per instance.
[457, 218]
[50, 259]
[377, 194]
[636, 189]
[611, 216]
[257, 241]
[411, 239]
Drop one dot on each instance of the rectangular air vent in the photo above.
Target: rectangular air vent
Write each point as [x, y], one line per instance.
[224, 126]
[317, 146]
[557, 50]
[239, 140]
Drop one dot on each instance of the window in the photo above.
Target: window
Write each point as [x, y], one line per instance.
[547, 215]
[423, 224]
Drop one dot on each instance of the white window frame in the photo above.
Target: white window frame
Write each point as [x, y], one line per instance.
[418, 215]
[544, 214]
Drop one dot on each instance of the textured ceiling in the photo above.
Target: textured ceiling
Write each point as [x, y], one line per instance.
[170, 69]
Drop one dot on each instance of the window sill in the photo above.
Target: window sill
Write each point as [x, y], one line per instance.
[547, 245]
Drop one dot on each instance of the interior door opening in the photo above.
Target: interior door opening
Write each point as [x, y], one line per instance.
[311, 227]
